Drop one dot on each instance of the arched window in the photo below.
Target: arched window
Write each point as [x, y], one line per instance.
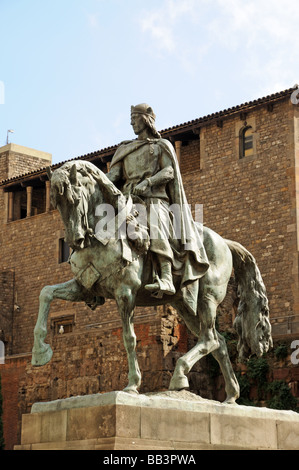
[246, 142]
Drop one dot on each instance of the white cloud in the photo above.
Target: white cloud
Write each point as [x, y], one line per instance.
[161, 23]
[256, 37]
[162, 34]
[93, 21]
[255, 21]
[268, 36]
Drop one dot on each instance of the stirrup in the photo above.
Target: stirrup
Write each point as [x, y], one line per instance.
[160, 288]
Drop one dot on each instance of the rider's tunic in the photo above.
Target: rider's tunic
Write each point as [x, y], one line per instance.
[177, 237]
[142, 163]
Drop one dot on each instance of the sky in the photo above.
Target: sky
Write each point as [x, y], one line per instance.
[71, 69]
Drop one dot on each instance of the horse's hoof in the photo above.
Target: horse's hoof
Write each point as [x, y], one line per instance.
[131, 390]
[230, 401]
[179, 383]
[41, 358]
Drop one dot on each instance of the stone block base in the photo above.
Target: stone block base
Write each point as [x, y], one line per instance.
[158, 421]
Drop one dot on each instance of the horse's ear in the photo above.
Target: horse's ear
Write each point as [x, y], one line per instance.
[49, 172]
[60, 187]
[73, 175]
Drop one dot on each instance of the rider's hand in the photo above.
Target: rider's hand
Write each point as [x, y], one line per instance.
[141, 188]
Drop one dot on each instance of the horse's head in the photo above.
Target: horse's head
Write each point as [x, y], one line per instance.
[70, 194]
[77, 191]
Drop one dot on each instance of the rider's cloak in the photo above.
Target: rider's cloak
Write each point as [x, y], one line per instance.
[195, 261]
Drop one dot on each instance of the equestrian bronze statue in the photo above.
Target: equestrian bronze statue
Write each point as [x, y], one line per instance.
[134, 240]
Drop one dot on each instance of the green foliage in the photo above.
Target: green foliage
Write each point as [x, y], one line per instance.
[2, 444]
[227, 336]
[257, 370]
[281, 397]
[245, 387]
[213, 367]
[281, 351]
[276, 394]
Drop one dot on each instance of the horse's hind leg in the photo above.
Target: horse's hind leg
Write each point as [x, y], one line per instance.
[231, 384]
[42, 352]
[179, 380]
[207, 342]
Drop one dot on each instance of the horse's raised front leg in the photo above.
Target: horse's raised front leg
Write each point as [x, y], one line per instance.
[42, 352]
[125, 300]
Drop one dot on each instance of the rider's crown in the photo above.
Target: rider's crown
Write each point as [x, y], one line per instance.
[143, 108]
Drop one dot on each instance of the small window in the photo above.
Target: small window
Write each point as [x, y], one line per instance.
[246, 142]
[64, 251]
[63, 325]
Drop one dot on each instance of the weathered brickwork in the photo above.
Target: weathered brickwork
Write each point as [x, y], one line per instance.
[11, 373]
[251, 200]
[13, 162]
[6, 307]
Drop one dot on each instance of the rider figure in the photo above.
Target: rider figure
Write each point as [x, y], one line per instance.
[147, 168]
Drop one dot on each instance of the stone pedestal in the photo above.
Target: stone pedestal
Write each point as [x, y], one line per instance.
[158, 421]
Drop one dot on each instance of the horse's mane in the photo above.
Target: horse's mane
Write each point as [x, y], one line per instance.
[63, 179]
[69, 180]
[83, 168]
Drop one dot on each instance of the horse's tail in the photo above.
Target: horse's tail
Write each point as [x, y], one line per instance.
[252, 321]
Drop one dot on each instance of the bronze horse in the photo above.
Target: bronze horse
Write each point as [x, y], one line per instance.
[101, 270]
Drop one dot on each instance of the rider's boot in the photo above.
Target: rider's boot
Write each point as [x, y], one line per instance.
[164, 284]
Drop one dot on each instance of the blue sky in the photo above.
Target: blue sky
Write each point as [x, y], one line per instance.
[71, 69]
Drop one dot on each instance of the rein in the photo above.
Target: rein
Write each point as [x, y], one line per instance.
[90, 231]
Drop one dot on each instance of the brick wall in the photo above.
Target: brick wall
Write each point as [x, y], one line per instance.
[6, 307]
[252, 200]
[20, 164]
[11, 373]
[3, 166]
[15, 164]
[87, 363]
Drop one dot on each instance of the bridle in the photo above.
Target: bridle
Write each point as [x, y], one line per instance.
[89, 231]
